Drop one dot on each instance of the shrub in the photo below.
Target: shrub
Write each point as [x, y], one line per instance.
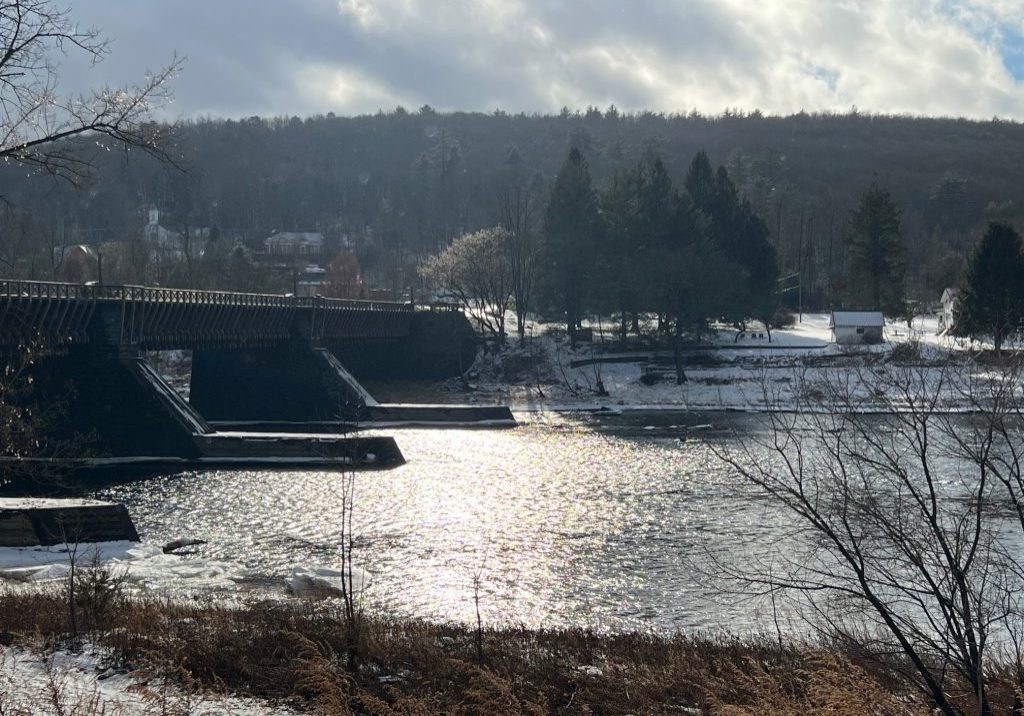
[783, 318]
[909, 352]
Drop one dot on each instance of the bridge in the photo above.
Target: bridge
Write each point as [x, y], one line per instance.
[258, 361]
[151, 319]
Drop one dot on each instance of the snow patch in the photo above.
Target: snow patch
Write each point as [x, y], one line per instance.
[732, 370]
[71, 683]
[44, 503]
[145, 566]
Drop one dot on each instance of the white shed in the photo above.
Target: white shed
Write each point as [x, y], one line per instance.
[856, 327]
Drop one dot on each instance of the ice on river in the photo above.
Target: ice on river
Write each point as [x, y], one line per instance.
[310, 581]
[147, 566]
[142, 564]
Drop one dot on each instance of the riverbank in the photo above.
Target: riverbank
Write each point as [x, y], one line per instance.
[307, 657]
[728, 371]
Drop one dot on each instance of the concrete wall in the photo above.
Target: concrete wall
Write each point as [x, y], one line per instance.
[98, 406]
[440, 345]
[53, 522]
[291, 383]
[283, 383]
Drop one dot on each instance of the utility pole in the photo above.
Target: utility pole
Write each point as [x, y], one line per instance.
[800, 298]
[785, 286]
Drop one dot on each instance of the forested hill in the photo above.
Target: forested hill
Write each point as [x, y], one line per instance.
[401, 185]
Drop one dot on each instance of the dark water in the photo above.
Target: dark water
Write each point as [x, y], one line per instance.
[603, 521]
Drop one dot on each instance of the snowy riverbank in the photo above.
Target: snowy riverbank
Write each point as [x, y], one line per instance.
[729, 371]
[87, 682]
[192, 659]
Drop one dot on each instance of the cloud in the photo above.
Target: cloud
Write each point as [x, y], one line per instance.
[334, 86]
[946, 57]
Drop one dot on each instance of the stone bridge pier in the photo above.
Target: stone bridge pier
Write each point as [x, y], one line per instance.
[295, 382]
[111, 410]
[438, 345]
[99, 401]
[304, 381]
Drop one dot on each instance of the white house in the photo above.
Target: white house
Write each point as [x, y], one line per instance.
[166, 244]
[159, 238]
[309, 244]
[950, 298]
[856, 327]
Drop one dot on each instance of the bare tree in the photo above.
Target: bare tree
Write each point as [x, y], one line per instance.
[17, 249]
[518, 206]
[38, 122]
[30, 455]
[475, 268]
[350, 590]
[20, 424]
[899, 542]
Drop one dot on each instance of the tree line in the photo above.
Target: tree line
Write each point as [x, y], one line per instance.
[398, 186]
[639, 246]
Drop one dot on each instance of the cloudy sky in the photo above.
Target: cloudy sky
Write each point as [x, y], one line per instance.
[299, 57]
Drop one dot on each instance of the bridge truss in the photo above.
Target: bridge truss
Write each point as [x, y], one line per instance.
[154, 318]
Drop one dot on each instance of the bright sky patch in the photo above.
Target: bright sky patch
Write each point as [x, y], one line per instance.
[932, 57]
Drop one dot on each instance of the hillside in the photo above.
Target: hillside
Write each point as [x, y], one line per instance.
[400, 185]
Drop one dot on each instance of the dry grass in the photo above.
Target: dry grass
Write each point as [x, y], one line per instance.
[297, 654]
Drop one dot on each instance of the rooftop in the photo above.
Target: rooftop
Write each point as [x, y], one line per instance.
[856, 318]
[311, 237]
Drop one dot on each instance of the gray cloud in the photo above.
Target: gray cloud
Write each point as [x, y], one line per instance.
[355, 56]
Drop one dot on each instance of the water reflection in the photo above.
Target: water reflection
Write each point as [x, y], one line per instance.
[592, 521]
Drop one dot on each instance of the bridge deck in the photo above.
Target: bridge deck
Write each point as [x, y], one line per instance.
[153, 318]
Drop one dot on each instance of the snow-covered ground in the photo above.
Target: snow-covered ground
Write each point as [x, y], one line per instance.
[61, 683]
[34, 681]
[728, 372]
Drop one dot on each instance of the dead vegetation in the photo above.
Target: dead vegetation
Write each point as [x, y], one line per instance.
[297, 654]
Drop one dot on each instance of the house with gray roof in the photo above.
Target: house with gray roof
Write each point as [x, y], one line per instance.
[856, 327]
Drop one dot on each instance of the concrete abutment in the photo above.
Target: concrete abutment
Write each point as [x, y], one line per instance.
[301, 382]
[293, 382]
[104, 403]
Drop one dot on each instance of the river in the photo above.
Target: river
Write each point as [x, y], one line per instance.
[602, 521]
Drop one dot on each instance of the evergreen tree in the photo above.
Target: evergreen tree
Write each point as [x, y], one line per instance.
[757, 256]
[658, 203]
[571, 229]
[700, 182]
[620, 271]
[639, 215]
[992, 299]
[741, 238]
[695, 280]
[877, 267]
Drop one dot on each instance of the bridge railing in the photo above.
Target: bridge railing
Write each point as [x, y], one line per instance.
[439, 307]
[149, 294]
[339, 318]
[13, 288]
[53, 312]
[158, 317]
[157, 294]
[361, 304]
